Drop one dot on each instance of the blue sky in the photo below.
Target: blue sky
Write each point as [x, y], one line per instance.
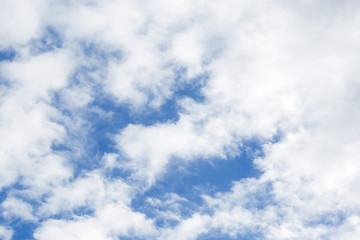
[179, 120]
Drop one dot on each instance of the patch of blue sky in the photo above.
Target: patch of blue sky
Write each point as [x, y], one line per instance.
[334, 218]
[217, 235]
[190, 180]
[122, 114]
[105, 125]
[193, 179]
[23, 230]
[3, 193]
[131, 237]
[191, 88]
[219, 173]
[105, 117]
[5, 85]
[7, 54]
[91, 140]
[19, 190]
[100, 53]
[74, 213]
[50, 40]
[161, 222]
[207, 176]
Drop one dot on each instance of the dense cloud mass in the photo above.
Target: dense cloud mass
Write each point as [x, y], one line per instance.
[218, 119]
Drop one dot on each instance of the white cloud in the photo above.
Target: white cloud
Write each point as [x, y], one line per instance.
[91, 192]
[20, 21]
[189, 229]
[5, 233]
[28, 128]
[13, 207]
[110, 221]
[151, 148]
[97, 208]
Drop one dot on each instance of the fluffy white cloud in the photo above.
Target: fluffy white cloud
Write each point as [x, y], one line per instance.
[117, 222]
[20, 21]
[107, 203]
[27, 119]
[5, 233]
[188, 229]
[91, 192]
[13, 207]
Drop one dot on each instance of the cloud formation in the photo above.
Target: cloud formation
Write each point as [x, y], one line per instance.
[100, 99]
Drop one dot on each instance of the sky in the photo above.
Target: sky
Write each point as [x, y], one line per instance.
[216, 119]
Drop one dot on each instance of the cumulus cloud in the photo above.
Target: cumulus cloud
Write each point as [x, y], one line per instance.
[5, 233]
[28, 120]
[110, 221]
[13, 207]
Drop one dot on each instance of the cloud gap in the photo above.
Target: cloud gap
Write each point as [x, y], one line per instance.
[51, 40]
[7, 54]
